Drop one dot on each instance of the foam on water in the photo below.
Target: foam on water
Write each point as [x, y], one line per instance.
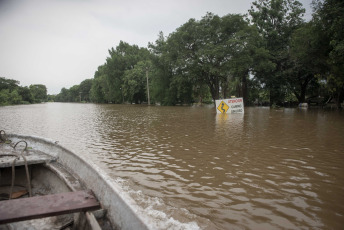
[155, 212]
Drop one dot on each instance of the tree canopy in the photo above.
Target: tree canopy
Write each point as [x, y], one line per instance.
[270, 56]
[12, 93]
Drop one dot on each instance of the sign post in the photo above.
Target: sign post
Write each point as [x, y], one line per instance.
[232, 105]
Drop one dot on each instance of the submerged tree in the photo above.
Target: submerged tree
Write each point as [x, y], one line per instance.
[12, 93]
[26, 94]
[208, 53]
[39, 92]
[276, 21]
[134, 83]
[85, 89]
[272, 57]
[161, 91]
[307, 59]
[330, 20]
[99, 86]
[121, 59]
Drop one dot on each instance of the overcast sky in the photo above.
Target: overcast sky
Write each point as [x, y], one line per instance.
[60, 43]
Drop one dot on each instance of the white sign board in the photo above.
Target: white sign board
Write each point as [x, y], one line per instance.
[232, 105]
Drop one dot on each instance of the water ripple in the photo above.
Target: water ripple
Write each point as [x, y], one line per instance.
[189, 168]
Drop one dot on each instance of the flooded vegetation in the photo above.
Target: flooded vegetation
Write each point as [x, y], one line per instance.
[188, 167]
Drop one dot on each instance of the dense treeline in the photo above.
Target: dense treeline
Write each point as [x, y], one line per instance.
[11, 93]
[76, 93]
[271, 56]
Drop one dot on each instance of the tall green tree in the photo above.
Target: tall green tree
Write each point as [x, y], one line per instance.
[9, 92]
[15, 98]
[307, 59]
[74, 93]
[85, 89]
[208, 52]
[26, 94]
[8, 97]
[163, 71]
[248, 56]
[9, 84]
[99, 85]
[63, 96]
[329, 17]
[197, 51]
[276, 21]
[135, 83]
[167, 80]
[39, 92]
[121, 59]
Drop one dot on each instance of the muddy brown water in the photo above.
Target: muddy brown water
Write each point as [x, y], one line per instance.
[189, 168]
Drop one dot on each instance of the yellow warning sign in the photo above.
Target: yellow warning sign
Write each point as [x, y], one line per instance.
[223, 107]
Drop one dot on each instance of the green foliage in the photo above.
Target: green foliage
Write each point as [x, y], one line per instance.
[63, 96]
[305, 43]
[121, 59]
[134, 83]
[15, 98]
[8, 97]
[8, 92]
[51, 98]
[329, 18]
[11, 93]
[39, 93]
[98, 89]
[26, 94]
[4, 97]
[85, 89]
[201, 94]
[74, 94]
[276, 20]
[204, 53]
[270, 57]
[99, 86]
[8, 84]
[162, 72]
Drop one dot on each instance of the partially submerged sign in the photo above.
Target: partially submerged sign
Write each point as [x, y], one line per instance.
[232, 105]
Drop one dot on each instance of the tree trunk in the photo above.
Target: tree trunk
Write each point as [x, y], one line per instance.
[244, 88]
[225, 90]
[302, 98]
[339, 98]
[214, 88]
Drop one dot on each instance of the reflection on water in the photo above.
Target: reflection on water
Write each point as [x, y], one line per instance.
[188, 167]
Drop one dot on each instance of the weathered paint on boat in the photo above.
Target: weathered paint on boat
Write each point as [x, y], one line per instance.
[121, 209]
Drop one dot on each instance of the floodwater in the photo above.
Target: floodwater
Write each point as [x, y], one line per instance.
[189, 168]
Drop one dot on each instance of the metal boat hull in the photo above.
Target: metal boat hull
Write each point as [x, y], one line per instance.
[69, 171]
